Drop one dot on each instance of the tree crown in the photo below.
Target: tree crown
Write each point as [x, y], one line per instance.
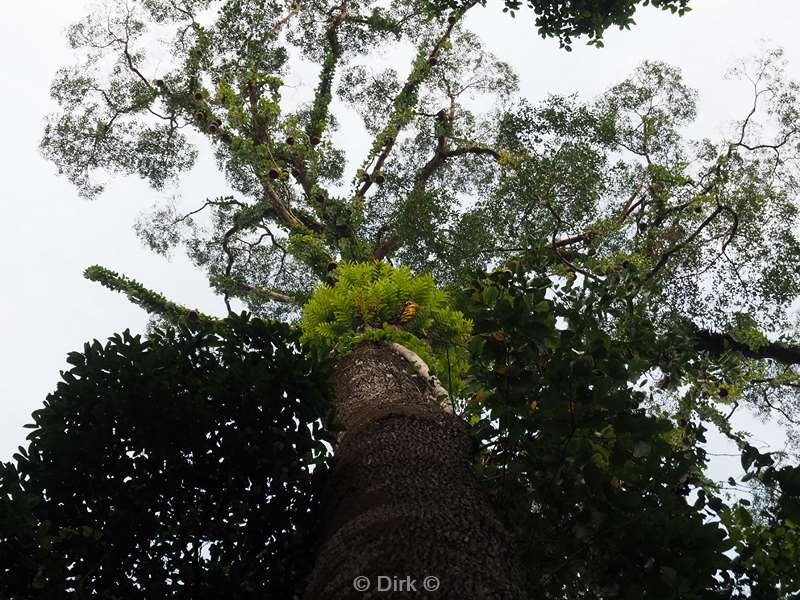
[644, 286]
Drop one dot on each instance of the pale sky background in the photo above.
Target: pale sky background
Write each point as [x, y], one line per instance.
[49, 235]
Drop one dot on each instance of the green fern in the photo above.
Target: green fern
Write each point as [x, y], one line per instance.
[365, 302]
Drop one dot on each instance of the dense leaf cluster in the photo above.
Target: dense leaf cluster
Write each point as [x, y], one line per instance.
[177, 464]
[654, 300]
[368, 302]
[184, 466]
[607, 496]
[568, 19]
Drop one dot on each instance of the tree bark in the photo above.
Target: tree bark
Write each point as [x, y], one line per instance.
[403, 504]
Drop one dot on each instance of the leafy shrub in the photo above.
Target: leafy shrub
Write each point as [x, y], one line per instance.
[184, 466]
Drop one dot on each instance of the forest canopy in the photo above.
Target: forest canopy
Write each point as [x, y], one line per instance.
[596, 290]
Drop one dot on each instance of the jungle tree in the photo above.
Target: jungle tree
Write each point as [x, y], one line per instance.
[534, 430]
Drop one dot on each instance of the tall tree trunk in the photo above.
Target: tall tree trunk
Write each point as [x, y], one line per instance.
[404, 504]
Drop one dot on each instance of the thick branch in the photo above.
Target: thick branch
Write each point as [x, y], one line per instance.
[322, 95]
[682, 244]
[442, 155]
[386, 248]
[151, 301]
[270, 294]
[287, 217]
[575, 239]
[405, 99]
[718, 343]
[437, 160]
[629, 205]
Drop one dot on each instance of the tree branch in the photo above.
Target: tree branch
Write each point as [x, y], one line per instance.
[682, 244]
[386, 248]
[406, 99]
[322, 95]
[272, 294]
[288, 218]
[151, 301]
[629, 205]
[718, 343]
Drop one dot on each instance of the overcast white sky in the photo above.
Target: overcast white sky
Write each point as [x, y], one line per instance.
[49, 235]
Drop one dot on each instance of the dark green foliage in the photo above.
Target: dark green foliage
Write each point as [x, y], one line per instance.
[766, 531]
[664, 270]
[568, 19]
[594, 482]
[184, 466]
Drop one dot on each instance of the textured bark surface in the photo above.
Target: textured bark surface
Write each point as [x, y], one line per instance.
[404, 504]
